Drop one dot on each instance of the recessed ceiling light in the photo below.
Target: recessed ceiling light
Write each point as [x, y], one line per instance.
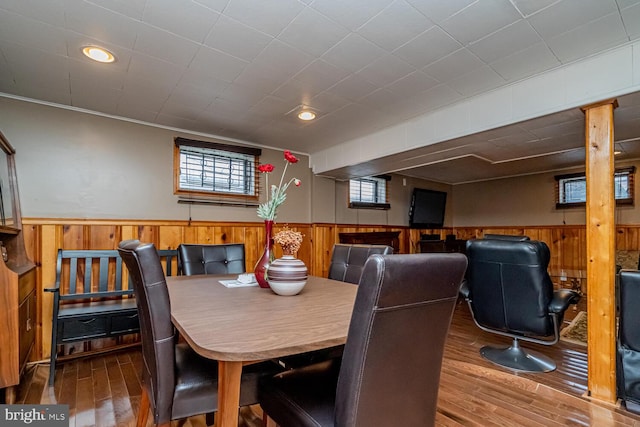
[98, 54]
[306, 115]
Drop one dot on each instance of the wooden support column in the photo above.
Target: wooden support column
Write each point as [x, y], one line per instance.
[600, 224]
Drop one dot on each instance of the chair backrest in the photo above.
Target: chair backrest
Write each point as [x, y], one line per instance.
[517, 238]
[90, 274]
[157, 331]
[391, 365]
[628, 331]
[510, 288]
[347, 261]
[211, 259]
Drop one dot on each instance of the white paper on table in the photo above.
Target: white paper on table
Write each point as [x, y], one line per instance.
[236, 284]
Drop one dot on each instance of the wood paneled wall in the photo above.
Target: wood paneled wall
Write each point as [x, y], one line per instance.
[43, 238]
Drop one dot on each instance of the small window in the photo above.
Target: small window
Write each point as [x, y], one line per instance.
[369, 193]
[571, 189]
[215, 170]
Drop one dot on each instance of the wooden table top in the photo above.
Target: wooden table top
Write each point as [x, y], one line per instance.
[251, 323]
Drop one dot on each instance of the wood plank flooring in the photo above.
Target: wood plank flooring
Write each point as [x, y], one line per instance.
[104, 390]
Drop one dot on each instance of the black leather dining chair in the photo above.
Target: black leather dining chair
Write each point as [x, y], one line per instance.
[390, 371]
[211, 259]
[347, 261]
[176, 381]
[510, 293]
[628, 341]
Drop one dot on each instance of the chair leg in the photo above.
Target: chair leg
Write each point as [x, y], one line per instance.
[143, 412]
[518, 359]
[267, 421]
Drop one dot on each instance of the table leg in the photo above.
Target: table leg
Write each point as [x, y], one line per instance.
[229, 376]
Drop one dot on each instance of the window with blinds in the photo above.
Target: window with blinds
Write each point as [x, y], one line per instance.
[369, 193]
[571, 189]
[215, 170]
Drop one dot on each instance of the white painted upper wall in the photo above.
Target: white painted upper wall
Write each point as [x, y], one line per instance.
[606, 75]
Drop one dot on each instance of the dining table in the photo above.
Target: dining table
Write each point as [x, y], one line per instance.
[239, 325]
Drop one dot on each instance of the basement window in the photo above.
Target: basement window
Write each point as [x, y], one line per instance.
[571, 189]
[369, 193]
[209, 170]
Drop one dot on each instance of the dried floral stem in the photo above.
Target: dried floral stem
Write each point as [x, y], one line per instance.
[289, 240]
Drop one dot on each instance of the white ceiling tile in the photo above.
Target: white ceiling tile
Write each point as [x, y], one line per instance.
[480, 80]
[312, 32]
[101, 24]
[210, 62]
[32, 33]
[439, 10]
[353, 88]
[386, 70]
[237, 39]
[27, 64]
[595, 36]
[143, 67]
[480, 19]
[51, 12]
[379, 98]
[239, 97]
[260, 79]
[134, 111]
[353, 53]
[172, 16]
[623, 4]
[196, 96]
[526, 63]
[438, 96]
[506, 41]
[327, 101]
[282, 58]
[164, 45]
[293, 90]
[427, 47]
[45, 92]
[87, 95]
[566, 15]
[412, 84]
[102, 76]
[395, 26]
[217, 5]
[529, 7]
[271, 107]
[351, 14]
[132, 8]
[268, 17]
[320, 75]
[177, 109]
[631, 19]
[453, 65]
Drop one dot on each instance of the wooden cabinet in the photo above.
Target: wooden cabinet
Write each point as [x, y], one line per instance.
[389, 238]
[17, 281]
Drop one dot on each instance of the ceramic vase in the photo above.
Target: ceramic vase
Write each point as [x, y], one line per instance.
[287, 275]
[262, 265]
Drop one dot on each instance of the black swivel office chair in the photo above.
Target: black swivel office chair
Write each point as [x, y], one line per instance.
[390, 372]
[510, 293]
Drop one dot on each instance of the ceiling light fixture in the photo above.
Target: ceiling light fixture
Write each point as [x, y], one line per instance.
[98, 54]
[306, 115]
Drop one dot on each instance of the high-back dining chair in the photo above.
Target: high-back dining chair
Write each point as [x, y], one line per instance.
[347, 261]
[390, 372]
[176, 381]
[211, 259]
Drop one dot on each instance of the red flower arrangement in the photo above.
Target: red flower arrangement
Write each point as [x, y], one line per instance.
[268, 210]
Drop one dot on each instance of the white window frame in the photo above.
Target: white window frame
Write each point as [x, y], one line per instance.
[369, 192]
[623, 187]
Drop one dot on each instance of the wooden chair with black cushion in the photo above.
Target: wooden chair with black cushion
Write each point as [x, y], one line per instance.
[390, 372]
[211, 259]
[177, 382]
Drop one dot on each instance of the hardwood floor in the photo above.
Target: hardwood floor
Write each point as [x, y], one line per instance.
[105, 390]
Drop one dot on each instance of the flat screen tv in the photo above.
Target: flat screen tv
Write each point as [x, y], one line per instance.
[427, 208]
